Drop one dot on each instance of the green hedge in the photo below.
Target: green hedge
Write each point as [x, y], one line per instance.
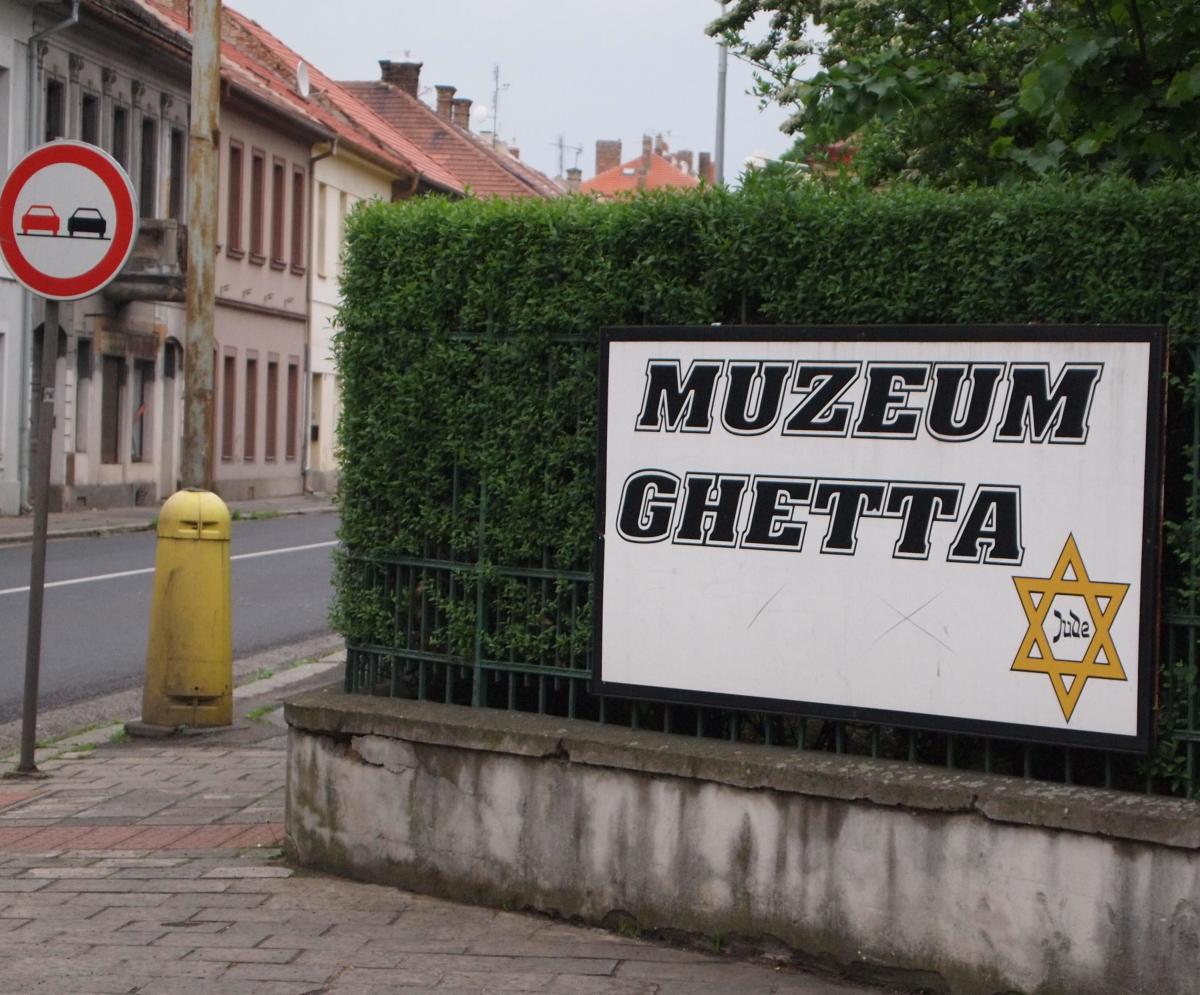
[467, 336]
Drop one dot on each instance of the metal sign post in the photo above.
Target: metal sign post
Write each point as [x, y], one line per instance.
[40, 491]
[67, 226]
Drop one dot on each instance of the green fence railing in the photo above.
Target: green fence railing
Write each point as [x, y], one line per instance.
[454, 627]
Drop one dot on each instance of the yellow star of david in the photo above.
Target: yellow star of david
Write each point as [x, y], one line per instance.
[1100, 659]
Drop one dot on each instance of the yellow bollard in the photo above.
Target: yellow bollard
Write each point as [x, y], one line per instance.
[189, 656]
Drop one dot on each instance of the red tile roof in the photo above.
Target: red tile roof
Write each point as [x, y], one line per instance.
[264, 67]
[483, 171]
[627, 177]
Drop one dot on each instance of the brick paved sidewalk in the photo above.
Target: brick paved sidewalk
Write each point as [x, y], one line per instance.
[147, 869]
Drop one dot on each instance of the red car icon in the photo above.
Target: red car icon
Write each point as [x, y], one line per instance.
[40, 217]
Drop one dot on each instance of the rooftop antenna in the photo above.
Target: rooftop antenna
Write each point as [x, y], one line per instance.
[496, 88]
[561, 144]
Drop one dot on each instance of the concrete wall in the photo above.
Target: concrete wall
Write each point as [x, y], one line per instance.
[946, 881]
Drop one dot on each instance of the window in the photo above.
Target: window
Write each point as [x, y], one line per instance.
[140, 447]
[258, 179]
[228, 405]
[233, 206]
[149, 171]
[120, 136]
[83, 392]
[314, 426]
[112, 375]
[343, 210]
[297, 220]
[175, 193]
[249, 443]
[293, 409]
[321, 247]
[55, 117]
[278, 205]
[272, 445]
[89, 119]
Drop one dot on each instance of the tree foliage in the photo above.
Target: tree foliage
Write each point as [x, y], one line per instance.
[956, 91]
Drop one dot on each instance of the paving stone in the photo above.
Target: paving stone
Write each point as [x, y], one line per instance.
[186, 905]
[68, 872]
[479, 982]
[105, 899]
[313, 973]
[121, 863]
[246, 955]
[250, 871]
[184, 986]
[359, 979]
[235, 935]
[22, 885]
[177, 886]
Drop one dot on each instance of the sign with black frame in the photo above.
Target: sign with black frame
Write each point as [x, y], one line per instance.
[939, 527]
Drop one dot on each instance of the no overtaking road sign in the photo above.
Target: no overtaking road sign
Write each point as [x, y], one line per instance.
[67, 220]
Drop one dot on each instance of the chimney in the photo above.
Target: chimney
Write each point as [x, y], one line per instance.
[608, 154]
[402, 75]
[460, 112]
[707, 170]
[660, 147]
[513, 151]
[644, 169]
[686, 159]
[445, 101]
[574, 179]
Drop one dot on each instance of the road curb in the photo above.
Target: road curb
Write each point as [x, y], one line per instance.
[92, 532]
[96, 719]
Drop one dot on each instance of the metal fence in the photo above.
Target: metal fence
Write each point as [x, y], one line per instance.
[461, 629]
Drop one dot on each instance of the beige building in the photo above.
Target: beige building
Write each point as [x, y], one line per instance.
[365, 158]
[262, 303]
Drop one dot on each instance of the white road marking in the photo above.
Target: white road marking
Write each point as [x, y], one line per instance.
[150, 570]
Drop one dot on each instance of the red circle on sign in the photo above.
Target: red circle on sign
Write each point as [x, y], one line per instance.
[117, 183]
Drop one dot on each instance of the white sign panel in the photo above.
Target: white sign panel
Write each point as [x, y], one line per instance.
[937, 527]
[67, 220]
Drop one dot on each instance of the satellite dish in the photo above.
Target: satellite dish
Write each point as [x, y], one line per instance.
[302, 84]
[480, 110]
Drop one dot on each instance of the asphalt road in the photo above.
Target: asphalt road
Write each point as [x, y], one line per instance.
[94, 638]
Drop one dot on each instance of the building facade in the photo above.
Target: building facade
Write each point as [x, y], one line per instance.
[117, 399]
[16, 27]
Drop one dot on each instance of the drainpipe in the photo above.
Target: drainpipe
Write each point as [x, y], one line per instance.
[33, 90]
[308, 303]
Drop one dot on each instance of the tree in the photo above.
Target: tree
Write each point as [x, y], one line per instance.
[956, 91]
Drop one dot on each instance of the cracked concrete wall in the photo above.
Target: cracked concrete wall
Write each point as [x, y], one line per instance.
[973, 904]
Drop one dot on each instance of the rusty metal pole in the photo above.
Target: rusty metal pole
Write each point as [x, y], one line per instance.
[195, 462]
[41, 440]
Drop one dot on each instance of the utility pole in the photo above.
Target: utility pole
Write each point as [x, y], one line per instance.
[196, 457]
[719, 144]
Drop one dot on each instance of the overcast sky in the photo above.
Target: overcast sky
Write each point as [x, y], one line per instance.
[615, 69]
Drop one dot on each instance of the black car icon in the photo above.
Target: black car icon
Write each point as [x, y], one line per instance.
[87, 219]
